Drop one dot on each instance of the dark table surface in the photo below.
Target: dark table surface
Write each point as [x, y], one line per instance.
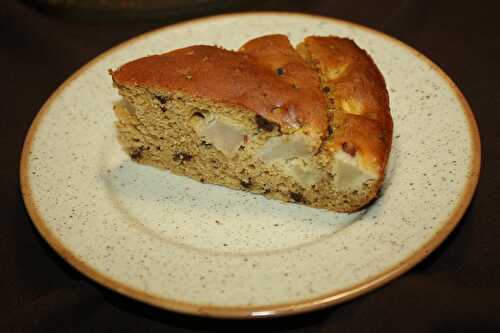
[455, 289]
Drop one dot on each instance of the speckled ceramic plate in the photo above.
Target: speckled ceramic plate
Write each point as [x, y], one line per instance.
[208, 250]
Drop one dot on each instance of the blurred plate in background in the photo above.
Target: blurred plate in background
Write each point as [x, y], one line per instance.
[103, 10]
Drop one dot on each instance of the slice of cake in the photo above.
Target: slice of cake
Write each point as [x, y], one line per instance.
[310, 125]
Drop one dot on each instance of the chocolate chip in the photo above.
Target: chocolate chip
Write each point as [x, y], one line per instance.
[162, 99]
[330, 130]
[136, 154]
[297, 197]
[182, 157]
[246, 184]
[198, 114]
[264, 124]
[205, 144]
[280, 71]
[349, 148]
[326, 90]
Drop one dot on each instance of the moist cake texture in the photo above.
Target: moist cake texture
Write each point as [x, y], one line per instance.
[309, 125]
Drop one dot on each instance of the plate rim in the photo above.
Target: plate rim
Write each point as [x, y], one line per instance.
[275, 310]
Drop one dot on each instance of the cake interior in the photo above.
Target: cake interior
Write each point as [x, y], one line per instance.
[228, 145]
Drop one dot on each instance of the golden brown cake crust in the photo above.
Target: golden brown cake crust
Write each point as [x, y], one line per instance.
[327, 89]
[230, 77]
[362, 117]
[276, 53]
